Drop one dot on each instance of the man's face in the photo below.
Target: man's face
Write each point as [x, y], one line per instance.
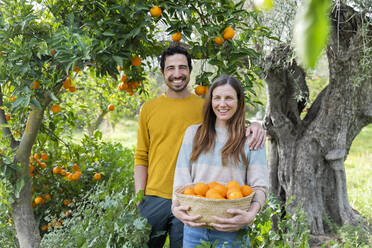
[176, 72]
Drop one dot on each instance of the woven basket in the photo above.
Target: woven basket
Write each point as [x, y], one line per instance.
[210, 207]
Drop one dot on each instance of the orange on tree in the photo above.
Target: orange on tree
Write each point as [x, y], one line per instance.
[57, 170]
[36, 156]
[200, 189]
[53, 52]
[39, 200]
[136, 61]
[97, 176]
[67, 83]
[246, 190]
[7, 116]
[120, 68]
[75, 167]
[228, 33]
[72, 88]
[189, 191]
[43, 165]
[45, 227]
[199, 90]
[56, 108]
[125, 77]
[35, 85]
[12, 98]
[111, 107]
[67, 202]
[47, 197]
[219, 41]
[155, 11]
[176, 37]
[44, 156]
[76, 68]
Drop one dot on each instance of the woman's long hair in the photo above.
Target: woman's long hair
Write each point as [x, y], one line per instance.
[205, 136]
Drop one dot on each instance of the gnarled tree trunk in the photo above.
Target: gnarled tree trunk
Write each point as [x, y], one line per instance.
[306, 158]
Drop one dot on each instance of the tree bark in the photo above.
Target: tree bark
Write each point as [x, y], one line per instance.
[306, 158]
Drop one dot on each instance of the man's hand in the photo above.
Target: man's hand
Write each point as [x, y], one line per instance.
[258, 135]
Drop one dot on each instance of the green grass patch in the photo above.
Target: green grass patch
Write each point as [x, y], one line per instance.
[358, 167]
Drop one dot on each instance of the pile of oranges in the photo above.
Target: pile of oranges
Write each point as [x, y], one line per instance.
[215, 190]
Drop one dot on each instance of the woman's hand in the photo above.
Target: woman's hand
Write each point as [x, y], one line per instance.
[181, 213]
[240, 219]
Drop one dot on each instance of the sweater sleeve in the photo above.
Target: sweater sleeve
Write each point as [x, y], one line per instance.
[182, 174]
[143, 140]
[257, 175]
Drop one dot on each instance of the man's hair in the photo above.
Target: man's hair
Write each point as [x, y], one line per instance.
[172, 51]
[205, 136]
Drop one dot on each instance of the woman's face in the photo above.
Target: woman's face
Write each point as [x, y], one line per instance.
[224, 103]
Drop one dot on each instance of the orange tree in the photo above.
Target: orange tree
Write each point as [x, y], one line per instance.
[43, 43]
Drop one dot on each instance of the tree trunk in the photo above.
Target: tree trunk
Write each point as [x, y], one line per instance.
[94, 125]
[306, 158]
[27, 229]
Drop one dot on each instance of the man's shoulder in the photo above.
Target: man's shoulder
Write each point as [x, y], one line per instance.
[153, 101]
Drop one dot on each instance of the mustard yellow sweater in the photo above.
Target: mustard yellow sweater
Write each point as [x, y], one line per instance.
[161, 125]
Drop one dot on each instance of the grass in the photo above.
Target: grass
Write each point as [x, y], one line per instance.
[358, 165]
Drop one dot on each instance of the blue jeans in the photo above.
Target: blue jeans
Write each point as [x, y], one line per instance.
[193, 236]
[159, 215]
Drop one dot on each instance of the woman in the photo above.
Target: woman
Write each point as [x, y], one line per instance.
[217, 150]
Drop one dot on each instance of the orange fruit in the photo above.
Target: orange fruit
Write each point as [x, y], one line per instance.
[222, 190]
[120, 68]
[246, 190]
[212, 184]
[44, 156]
[189, 191]
[53, 51]
[36, 156]
[72, 88]
[7, 116]
[39, 200]
[63, 172]
[213, 194]
[76, 68]
[67, 202]
[43, 165]
[233, 184]
[155, 11]
[219, 41]
[200, 189]
[97, 176]
[57, 170]
[76, 175]
[76, 167]
[136, 61]
[35, 85]
[228, 33]
[12, 99]
[234, 195]
[67, 83]
[56, 108]
[44, 228]
[176, 37]
[199, 90]
[125, 77]
[110, 107]
[47, 196]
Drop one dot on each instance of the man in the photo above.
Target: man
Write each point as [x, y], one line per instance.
[161, 125]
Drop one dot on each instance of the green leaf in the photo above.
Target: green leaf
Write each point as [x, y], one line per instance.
[311, 31]
[35, 102]
[19, 186]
